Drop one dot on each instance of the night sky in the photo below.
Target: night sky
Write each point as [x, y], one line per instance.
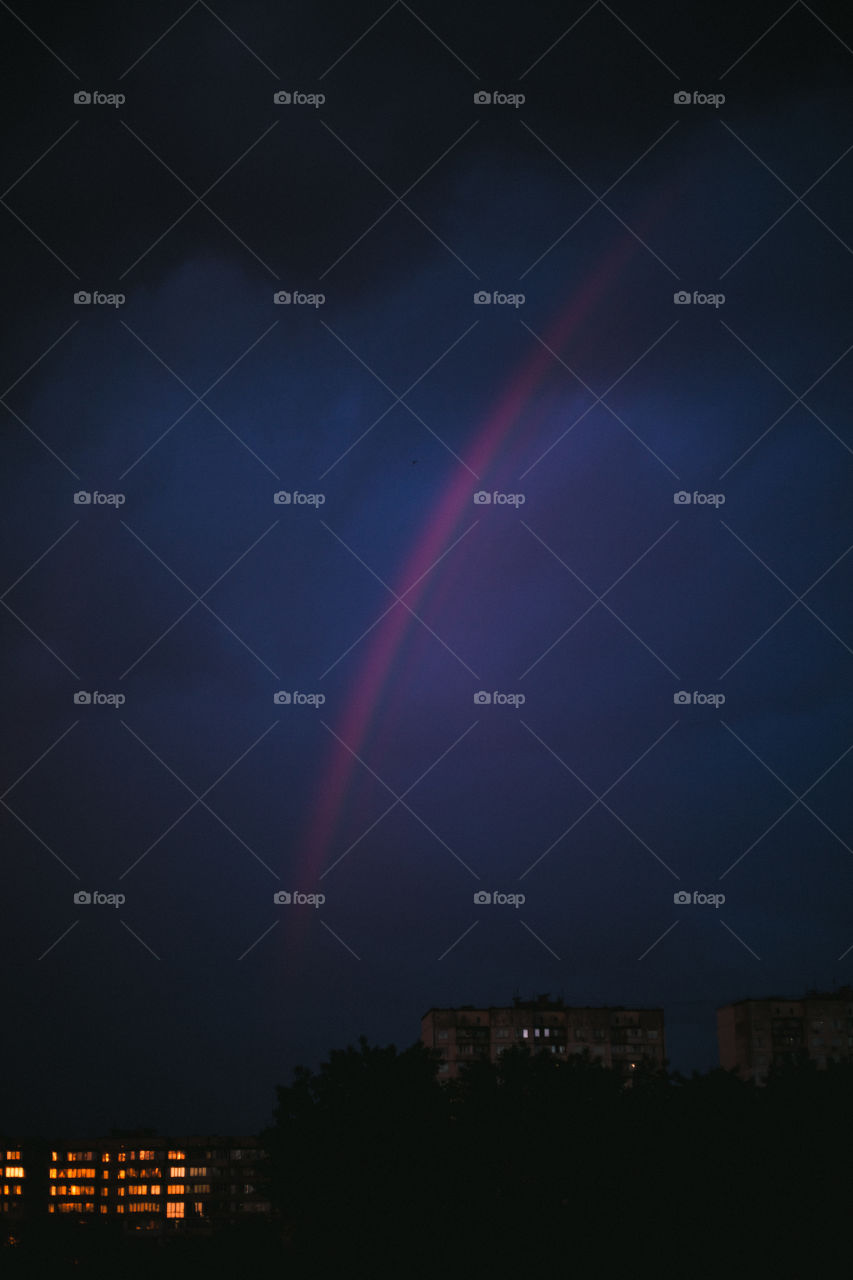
[383, 400]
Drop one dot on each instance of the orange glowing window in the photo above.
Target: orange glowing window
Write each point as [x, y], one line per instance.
[177, 1155]
[155, 1188]
[53, 1173]
[177, 1171]
[13, 1155]
[106, 1157]
[175, 1189]
[175, 1210]
[146, 1155]
[14, 1171]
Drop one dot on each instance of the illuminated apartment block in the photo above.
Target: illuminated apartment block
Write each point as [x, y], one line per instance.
[150, 1181]
[614, 1036]
[754, 1034]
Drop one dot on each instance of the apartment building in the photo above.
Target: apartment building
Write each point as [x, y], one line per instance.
[754, 1034]
[613, 1035]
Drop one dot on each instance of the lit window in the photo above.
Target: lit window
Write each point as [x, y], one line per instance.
[146, 1155]
[119, 1208]
[13, 1155]
[199, 1207]
[155, 1188]
[525, 1033]
[104, 1209]
[121, 1157]
[177, 1155]
[105, 1191]
[177, 1171]
[200, 1188]
[175, 1210]
[198, 1171]
[175, 1189]
[53, 1173]
[106, 1157]
[54, 1155]
[137, 1188]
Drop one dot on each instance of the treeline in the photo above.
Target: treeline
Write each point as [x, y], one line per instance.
[373, 1157]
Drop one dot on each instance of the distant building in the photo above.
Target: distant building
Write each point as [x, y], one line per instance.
[152, 1182]
[754, 1034]
[614, 1036]
[22, 1180]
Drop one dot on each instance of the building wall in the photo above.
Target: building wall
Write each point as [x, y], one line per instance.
[754, 1034]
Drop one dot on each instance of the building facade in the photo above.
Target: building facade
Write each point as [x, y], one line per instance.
[753, 1035]
[153, 1182]
[613, 1036]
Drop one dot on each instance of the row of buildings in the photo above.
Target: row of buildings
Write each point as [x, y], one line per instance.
[753, 1035]
[146, 1182]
